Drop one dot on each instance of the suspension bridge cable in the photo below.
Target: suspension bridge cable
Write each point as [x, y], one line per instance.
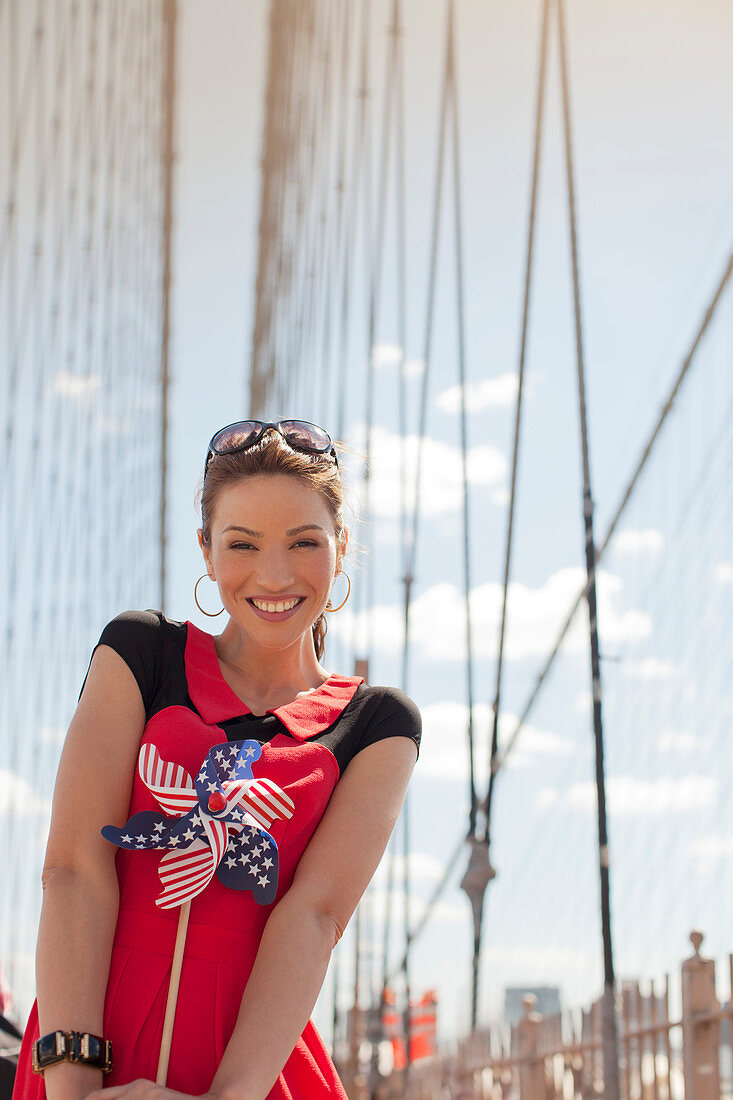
[376, 254]
[410, 549]
[462, 384]
[335, 388]
[365, 164]
[81, 298]
[168, 158]
[625, 498]
[396, 104]
[608, 1009]
[433, 900]
[528, 267]
[352, 221]
[479, 871]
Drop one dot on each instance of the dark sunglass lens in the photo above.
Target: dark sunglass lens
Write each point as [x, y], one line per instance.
[235, 437]
[306, 436]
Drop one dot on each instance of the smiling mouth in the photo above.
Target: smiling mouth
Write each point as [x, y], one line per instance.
[273, 606]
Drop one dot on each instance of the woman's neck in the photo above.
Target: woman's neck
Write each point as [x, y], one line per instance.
[267, 679]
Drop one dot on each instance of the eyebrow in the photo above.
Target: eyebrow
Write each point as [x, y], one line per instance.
[288, 534]
[304, 527]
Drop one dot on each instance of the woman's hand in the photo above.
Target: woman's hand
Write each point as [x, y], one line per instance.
[146, 1090]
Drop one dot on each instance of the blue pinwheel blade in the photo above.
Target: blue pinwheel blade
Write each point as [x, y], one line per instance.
[148, 829]
[228, 761]
[250, 863]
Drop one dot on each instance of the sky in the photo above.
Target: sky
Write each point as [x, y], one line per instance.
[651, 87]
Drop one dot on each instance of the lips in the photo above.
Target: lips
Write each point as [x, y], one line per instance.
[275, 610]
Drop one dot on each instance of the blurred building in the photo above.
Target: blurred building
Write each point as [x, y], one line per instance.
[548, 1001]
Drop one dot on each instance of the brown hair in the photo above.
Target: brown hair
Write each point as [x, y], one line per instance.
[269, 457]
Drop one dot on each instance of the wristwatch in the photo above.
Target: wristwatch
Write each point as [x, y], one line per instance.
[72, 1046]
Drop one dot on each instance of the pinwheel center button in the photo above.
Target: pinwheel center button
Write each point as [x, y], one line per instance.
[217, 802]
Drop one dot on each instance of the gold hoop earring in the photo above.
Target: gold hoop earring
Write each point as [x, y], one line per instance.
[211, 614]
[348, 593]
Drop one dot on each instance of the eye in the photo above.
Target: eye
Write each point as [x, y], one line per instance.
[242, 546]
[306, 542]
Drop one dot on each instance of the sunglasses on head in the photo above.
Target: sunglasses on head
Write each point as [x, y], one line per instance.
[298, 434]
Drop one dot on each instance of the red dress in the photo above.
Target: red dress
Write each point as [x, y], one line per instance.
[303, 753]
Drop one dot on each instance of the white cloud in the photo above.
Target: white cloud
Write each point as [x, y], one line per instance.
[18, 797]
[534, 618]
[413, 368]
[631, 797]
[650, 668]
[723, 572]
[80, 387]
[670, 740]
[499, 391]
[444, 746]
[710, 849]
[441, 472]
[648, 541]
[386, 355]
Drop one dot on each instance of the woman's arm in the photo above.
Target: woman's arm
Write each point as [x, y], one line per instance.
[305, 925]
[80, 894]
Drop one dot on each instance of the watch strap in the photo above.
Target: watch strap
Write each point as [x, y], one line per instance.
[50, 1049]
[72, 1046]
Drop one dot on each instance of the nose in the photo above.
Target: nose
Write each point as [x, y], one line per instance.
[275, 572]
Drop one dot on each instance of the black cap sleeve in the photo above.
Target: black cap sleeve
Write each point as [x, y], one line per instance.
[396, 716]
[136, 636]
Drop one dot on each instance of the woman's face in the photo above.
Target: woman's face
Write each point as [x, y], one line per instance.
[274, 555]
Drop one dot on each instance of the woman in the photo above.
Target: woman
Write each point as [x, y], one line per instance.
[168, 714]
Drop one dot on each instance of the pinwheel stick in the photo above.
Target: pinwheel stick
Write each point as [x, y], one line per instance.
[170, 1005]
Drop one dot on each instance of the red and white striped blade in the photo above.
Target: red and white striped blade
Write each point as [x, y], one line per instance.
[170, 783]
[261, 798]
[185, 874]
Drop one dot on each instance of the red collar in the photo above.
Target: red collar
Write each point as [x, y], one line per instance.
[216, 702]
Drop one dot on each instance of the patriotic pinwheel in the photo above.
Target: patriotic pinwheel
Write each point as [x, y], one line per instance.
[218, 825]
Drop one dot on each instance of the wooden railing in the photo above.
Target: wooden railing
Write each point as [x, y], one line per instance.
[560, 1057]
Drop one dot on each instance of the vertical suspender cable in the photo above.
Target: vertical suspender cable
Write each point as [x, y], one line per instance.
[375, 286]
[460, 313]
[365, 164]
[393, 111]
[412, 530]
[351, 234]
[401, 267]
[610, 1034]
[169, 98]
[539, 115]
[479, 870]
[335, 387]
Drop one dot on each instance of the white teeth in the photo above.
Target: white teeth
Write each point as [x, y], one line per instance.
[271, 607]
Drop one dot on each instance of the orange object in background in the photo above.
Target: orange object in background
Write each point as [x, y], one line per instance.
[423, 1027]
